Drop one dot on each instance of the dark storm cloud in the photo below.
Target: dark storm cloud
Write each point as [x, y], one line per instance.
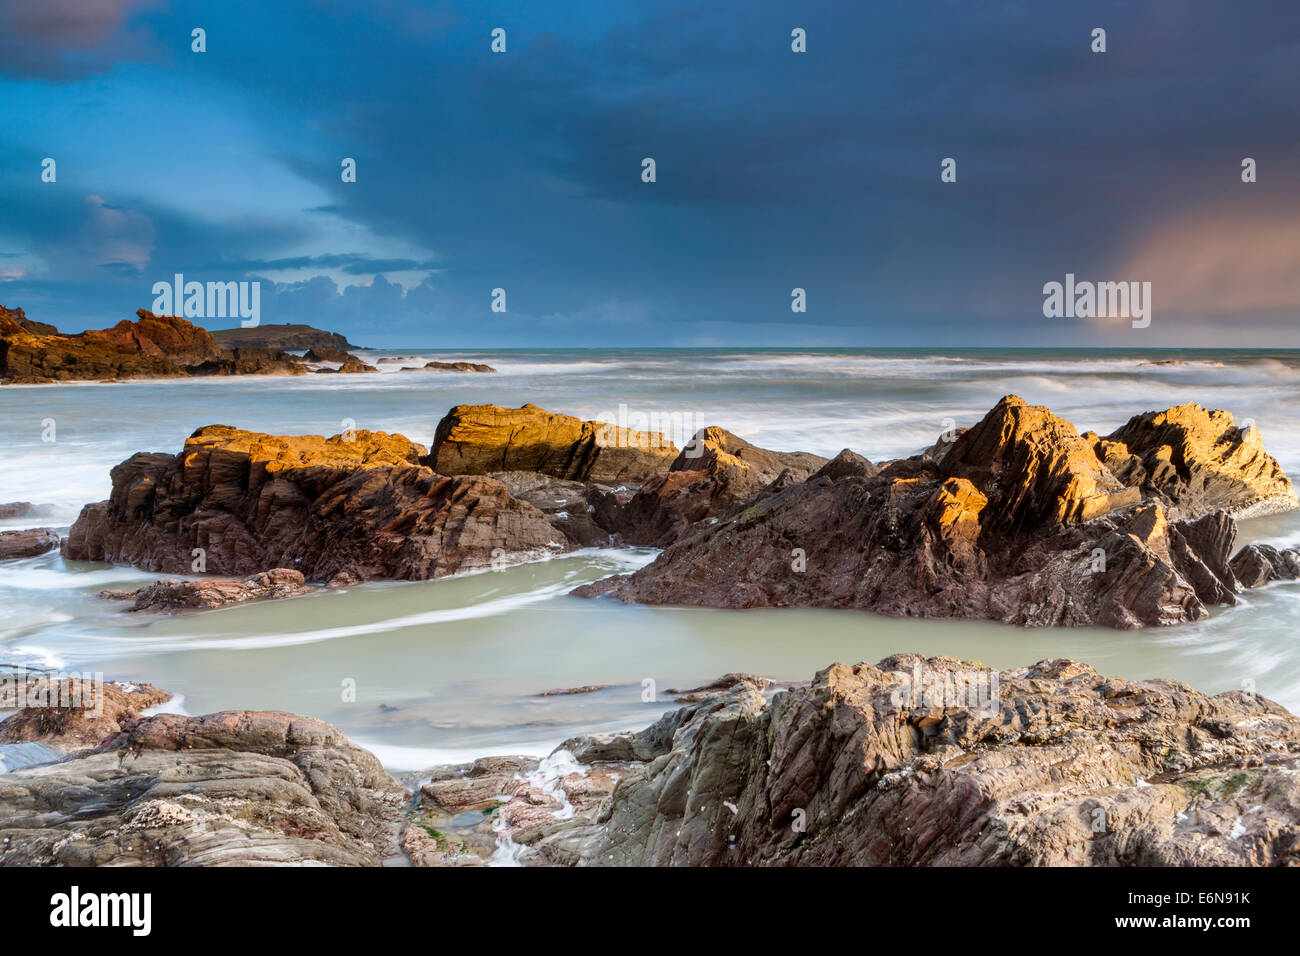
[775, 170]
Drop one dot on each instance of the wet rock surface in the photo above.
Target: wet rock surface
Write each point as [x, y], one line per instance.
[27, 543]
[176, 594]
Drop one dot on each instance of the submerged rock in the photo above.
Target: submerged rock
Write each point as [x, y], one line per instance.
[937, 762]
[1019, 520]
[205, 593]
[355, 506]
[453, 367]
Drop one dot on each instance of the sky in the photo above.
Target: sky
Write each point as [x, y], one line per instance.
[774, 169]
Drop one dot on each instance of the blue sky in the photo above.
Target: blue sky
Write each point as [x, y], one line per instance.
[775, 170]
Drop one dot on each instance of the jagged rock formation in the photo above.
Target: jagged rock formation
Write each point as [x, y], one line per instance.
[1197, 461]
[238, 788]
[479, 439]
[176, 594]
[1259, 564]
[153, 346]
[358, 505]
[15, 321]
[1019, 521]
[910, 763]
[715, 471]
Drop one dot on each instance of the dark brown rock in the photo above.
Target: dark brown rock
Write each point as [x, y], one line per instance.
[324, 354]
[714, 472]
[176, 594]
[1018, 522]
[847, 464]
[565, 504]
[245, 502]
[1258, 564]
[153, 346]
[27, 543]
[453, 367]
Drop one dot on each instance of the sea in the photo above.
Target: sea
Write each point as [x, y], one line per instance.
[426, 673]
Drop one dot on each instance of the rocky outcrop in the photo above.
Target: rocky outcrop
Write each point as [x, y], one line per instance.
[1199, 461]
[175, 594]
[35, 358]
[452, 367]
[715, 471]
[350, 366]
[286, 337]
[245, 361]
[357, 504]
[166, 337]
[27, 543]
[71, 713]
[1019, 521]
[244, 788]
[1258, 564]
[15, 322]
[153, 346]
[931, 762]
[479, 439]
[325, 354]
[568, 505]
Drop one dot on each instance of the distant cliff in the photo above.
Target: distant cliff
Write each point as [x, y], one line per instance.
[289, 337]
[151, 346]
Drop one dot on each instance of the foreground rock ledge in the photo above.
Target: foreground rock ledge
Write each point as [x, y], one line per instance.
[912, 762]
[1066, 767]
[240, 788]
